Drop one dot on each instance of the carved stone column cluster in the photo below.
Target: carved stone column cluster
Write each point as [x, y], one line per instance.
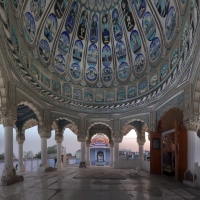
[20, 140]
[59, 163]
[87, 153]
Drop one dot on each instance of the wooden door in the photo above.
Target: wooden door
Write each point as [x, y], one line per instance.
[155, 153]
[182, 147]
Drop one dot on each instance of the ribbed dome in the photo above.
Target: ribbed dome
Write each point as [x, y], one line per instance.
[100, 138]
[100, 51]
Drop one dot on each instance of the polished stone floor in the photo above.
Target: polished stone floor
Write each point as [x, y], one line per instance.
[96, 183]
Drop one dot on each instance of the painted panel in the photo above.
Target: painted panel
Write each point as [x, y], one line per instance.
[139, 63]
[77, 51]
[44, 50]
[45, 80]
[37, 8]
[91, 74]
[105, 29]
[64, 42]
[117, 28]
[121, 94]
[155, 48]
[75, 70]
[99, 97]
[60, 63]
[29, 27]
[83, 25]
[170, 23]
[77, 94]
[140, 6]
[123, 71]
[149, 26]
[110, 96]
[142, 87]
[56, 87]
[164, 71]
[121, 51]
[69, 24]
[35, 72]
[94, 29]
[50, 27]
[162, 6]
[135, 42]
[60, 7]
[128, 16]
[106, 55]
[92, 55]
[107, 74]
[88, 96]
[153, 81]
[67, 90]
[132, 92]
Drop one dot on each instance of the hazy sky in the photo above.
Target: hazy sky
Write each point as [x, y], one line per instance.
[33, 141]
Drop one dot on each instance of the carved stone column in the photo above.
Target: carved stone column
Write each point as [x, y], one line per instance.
[83, 144]
[116, 164]
[141, 140]
[88, 153]
[111, 153]
[20, 139]
[59, 163]
[44, 164]
[9, 174]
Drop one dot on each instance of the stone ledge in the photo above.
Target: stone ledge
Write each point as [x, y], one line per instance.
[50, 169]
[7, 182]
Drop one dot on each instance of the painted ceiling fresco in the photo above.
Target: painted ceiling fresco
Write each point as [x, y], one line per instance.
[114, 49]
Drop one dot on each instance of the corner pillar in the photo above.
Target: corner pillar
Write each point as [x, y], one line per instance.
[59, 163]
[20, 140]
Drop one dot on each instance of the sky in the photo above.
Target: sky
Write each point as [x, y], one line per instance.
[33, 142]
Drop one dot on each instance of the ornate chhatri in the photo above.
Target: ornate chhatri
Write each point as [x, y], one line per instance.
[101, 51]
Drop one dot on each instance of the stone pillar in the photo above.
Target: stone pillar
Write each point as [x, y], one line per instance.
[141, 140]
[59, 163]
[116, 156]
[43, 165]
[20, 139]
[64, 159]
[83, 144]
[88, 153]
[111, 155]
[9, 174]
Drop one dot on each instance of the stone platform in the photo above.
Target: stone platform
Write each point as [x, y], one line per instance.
[11, 181]
[50, 169]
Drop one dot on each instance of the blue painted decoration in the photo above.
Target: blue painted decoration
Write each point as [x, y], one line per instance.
[75, 70]
[60, 63]
[44, 50]
[94, 29]
[34, 71]
[56, 87]
[77, 94]
[106, 55]
[149, 26]
[132, 92]
[29, 27]
[37, 8]
[15, 3]
[139, 63]
[69, 24]
[164, 71]
[123, 71]
[183, 1]
[135, 42]
[107, 74]
[110, 96]
[83, 25]
[45, 80]
[162, 6]
[64, 42]
[143, 86]
[155, 48]
[99, 97]
[140, 6]
[88, 96]
[60, 7]
[117, 28]
[92, 55]
[128, 16]
[91, 74]
[170, 23]
[77, 51]
[67, 90]
[50, 27]
[121, 51]
[153, 81]
[105, 29]
[121, 94]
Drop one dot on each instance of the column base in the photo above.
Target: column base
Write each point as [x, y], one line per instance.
[88, 163]
[111, 164]
[9, 176]
[116, 165]
[190, 176]
[82, 165]
[59, 165]
[20, 168]
[42, 168]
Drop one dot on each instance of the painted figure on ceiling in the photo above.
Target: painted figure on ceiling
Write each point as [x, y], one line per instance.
[82, 26]
[117, 29]
[105, 29]
[59, 8]
[94, 29]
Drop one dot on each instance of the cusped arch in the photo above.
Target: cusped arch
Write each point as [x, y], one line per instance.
[130, 125]
[35, 110]
[72, 126]
[89, 135]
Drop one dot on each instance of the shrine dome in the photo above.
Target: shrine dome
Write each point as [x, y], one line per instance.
[100, 138]
[99, 55]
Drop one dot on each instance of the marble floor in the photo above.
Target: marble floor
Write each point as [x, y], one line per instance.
[96, 183]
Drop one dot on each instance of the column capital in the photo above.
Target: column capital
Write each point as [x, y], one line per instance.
[117, 140]
[141, 142]
[192, 123]
[20, 138]
[8, 120]
[59, 138]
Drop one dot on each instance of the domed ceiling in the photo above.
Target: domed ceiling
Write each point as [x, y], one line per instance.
[100, 51]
